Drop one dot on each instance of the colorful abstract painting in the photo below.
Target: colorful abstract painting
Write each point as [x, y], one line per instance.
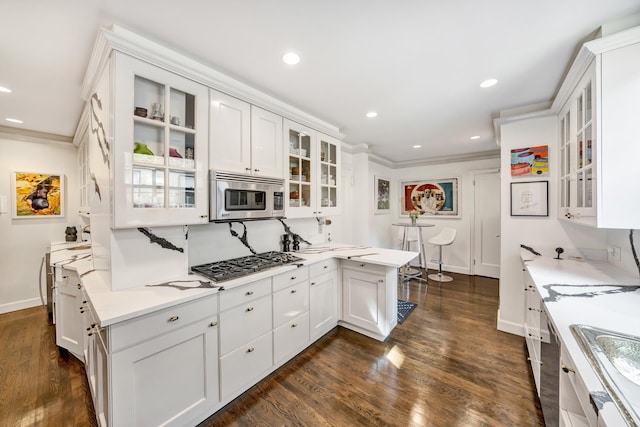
[437, 197]
[37, 195]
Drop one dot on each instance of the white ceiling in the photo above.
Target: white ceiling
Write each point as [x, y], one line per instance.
[418, 63]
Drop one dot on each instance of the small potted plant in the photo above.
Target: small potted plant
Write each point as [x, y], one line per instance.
[414, 214]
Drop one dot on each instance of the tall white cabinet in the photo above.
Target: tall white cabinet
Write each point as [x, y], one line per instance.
[597, 136]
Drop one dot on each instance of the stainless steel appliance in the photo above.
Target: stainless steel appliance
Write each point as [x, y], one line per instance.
[549, 374]
[236, 196]
[238, 267]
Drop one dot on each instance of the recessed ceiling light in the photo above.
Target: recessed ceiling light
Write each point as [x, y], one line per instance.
[5, 89]
[475, 137]
[488, 83]
[14, 120]
[417, 146]
[372, 114]
[291, 58]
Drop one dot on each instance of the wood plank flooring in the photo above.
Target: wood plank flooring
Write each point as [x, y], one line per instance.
[446, 365]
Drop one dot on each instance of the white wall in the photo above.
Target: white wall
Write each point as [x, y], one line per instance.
[23, 242]
[542, 233]
[457, 257]
[620, 238]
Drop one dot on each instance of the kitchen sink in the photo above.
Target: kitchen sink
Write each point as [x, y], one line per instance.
[615, 358]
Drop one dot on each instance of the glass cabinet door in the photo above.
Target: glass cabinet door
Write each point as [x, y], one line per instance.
[301, 174]
[163, 158]
[329, 162]
[584, 149]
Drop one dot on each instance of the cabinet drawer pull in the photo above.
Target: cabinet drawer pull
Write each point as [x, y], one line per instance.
[247, 169]
[248, 293]
[313, 283]
[293, 291]
[361, 265]
[295, 325]
[250, 309]
[256, 170]
[173, 318]
[566, 369]
[92, 325]
[326, 266]
[213, 324]
[380, 280]
[250, 350]
[203, 216]
[293, 277]
[79, 286]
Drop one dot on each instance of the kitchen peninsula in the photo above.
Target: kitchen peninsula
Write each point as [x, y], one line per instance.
[196, 345]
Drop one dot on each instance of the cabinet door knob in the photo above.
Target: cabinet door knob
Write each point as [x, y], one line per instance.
[213, 324]
[203, 216]
[256, 170]
[313, 283]
[250, 350]
[293, 291]
[247, 169]
[173, 318]
[294, 325]
[249, 308]
[325, 267]
[249, 293]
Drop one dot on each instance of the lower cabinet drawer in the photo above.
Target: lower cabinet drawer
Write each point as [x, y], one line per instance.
[290, 303]
[244, 323]
[290, 337]
[243, 366]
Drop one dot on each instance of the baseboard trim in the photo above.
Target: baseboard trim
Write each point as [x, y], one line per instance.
[19, 305]
[510, 327]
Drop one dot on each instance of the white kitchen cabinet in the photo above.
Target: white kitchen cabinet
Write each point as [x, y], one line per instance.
[170, 375]
[84, 176]
[290, 337]
[574, 398]
[313, 168]
[68, 307]
[369, 298]
[323, 297]
[160, 149]
[243, 137]
[532, 330]
[596, 133]
[96, 363]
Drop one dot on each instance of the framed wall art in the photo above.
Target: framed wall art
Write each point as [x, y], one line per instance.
[530, 161]
[431, 197]
[37, 195]
[382, 196]
[530, 198]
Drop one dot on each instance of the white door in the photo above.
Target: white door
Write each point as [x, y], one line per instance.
[486, 254]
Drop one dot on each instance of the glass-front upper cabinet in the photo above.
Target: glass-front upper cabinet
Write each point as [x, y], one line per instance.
[584, 148]
[313, 163]
[302, 180]
[329, 174]
[565, 160]
[160, 147]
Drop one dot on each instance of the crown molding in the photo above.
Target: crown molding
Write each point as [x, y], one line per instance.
[373, 157]
[83, 126]
[500, 121]
[129, 43]
[15, 134]
[588, 52]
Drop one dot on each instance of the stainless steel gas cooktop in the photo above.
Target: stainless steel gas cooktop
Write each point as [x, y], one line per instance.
[239, 267]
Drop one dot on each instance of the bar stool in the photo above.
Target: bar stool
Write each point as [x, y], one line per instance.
[444, 238]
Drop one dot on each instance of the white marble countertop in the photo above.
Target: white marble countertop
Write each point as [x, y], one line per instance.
[590, 293]
[116, 306]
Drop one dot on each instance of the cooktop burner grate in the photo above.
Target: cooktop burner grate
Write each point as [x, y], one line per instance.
[239, 267]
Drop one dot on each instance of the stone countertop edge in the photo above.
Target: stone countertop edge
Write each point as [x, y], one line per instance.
[117, 306]
[581, 301]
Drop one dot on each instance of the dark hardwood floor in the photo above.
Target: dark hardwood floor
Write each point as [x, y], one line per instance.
[446, 365]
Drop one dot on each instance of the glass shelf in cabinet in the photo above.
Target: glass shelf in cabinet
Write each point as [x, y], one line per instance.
[148, 121]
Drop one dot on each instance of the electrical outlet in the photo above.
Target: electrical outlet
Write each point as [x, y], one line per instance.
[614, 255]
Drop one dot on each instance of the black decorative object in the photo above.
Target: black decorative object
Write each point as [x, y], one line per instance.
[71, 234]
[404, 310]
[296, 243]
[530, 249]
[559, 251]
[286, 244]
[287, 230]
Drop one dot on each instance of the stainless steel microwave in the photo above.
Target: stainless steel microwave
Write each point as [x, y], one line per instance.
[236, 196]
